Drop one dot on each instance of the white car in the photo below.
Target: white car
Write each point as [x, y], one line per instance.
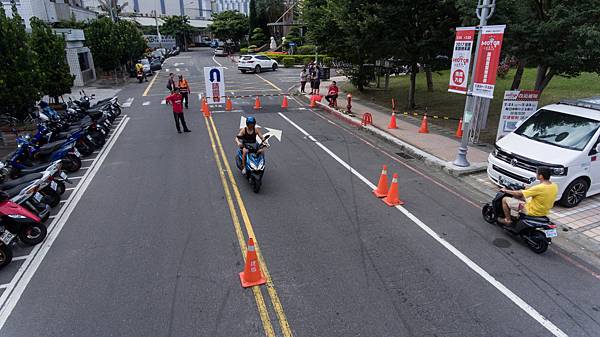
[220, 51]
[564, 137]
[256, 63]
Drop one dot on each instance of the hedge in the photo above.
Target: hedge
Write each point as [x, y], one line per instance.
[298, 59]
[307, 49]
[243, 51]
[288, 62]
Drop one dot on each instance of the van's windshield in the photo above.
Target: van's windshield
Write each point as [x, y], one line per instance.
[559, 129]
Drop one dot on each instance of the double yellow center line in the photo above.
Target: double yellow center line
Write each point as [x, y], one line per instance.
[223, 166]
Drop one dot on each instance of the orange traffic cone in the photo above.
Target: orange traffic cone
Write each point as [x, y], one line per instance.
[257, 104]
[251, 276]
[382, 187]
[284, 104]
[228, 105]
[459, 130]
[313, 102]
[424, 128]
[205, 109]
[393, 199]
[392, 124]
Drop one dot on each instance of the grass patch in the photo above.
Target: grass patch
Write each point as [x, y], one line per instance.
[443, 103]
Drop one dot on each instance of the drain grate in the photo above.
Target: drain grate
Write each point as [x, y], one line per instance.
[405, 155]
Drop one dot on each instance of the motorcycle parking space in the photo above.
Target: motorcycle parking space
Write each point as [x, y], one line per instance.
[23, 255]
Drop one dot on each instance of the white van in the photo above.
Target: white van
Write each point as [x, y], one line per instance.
[563, 137]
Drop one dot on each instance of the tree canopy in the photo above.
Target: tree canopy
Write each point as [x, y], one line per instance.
[179, 27]
[229, 25]
[19, 71]
[54, 73]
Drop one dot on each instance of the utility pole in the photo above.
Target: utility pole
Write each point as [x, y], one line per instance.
[485, 10]
[157, 30]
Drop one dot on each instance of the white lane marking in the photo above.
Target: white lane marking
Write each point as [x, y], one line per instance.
[556, 331]
[200, 96]
[177, 69]
[18, 258]
[10, 297]
[163, 102]
[4, 286]
[217, 62]
[146, 103]
[167, 70]
[128, 102]
[186, 70]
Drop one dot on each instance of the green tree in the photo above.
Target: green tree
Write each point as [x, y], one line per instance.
[179, 27]
[231, 25]
[422, 35]
[559, 38]
[258, 37]
[104, 40]
[54, 73]
[18, 67]
[352, 31]
[132, 38]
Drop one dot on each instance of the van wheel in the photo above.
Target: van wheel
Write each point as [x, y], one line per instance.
[574, 193]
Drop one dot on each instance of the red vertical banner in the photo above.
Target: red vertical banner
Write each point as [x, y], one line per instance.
[488, 58]
[461, 60]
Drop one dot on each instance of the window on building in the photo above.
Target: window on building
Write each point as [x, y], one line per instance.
[84, 64]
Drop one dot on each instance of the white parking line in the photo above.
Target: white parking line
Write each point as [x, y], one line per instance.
[68, 189]
[467, 261]
[88, 159]
[10, 297]
[76, 177]
[22, 257]
[128, 102]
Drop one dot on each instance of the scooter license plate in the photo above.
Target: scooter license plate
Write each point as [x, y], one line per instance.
[89, 138]
[63, 175]
[77, 152]
[53, 185]
[550, 233]
[7, 237]
[38, 197]
[102, 130]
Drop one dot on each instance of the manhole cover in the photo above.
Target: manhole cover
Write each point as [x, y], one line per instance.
[405, 155]
[501, 243]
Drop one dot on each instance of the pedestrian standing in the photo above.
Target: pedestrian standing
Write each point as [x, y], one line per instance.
[171, 83]
[315, 81]
[303, 78]
[175, 99]
[184, 89]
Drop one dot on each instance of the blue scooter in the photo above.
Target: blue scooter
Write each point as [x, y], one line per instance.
[255, 163]
[29, 158]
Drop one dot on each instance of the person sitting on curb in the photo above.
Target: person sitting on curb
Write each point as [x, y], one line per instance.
[332, 94]
[537, 200]
[176, 100]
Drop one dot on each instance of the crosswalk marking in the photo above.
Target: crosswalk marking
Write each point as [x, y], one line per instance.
[128, 102]
[146, 103]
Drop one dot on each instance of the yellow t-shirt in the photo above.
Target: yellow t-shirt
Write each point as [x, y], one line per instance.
[540, 199]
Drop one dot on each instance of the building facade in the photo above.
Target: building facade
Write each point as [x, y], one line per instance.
[195, 9]
[51, 10]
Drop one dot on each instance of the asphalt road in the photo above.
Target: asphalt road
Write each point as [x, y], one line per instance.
[155, 244]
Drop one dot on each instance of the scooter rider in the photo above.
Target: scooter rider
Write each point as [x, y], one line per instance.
[534, 201]
[247, 135]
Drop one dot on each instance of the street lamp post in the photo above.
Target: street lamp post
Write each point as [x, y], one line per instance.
[485, 10]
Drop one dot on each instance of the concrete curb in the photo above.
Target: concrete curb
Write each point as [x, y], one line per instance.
[427, 158]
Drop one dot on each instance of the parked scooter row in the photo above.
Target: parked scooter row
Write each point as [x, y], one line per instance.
[33, 177]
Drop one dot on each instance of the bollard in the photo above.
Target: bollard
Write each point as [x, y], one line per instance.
[349, 106]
